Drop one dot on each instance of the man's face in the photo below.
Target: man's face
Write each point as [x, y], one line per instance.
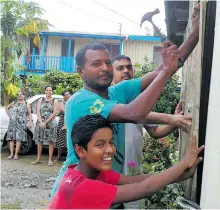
[97, 71]
[123, 70]
[100, 150]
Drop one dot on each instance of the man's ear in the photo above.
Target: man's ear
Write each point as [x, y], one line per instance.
[80, 151]
[80, 71]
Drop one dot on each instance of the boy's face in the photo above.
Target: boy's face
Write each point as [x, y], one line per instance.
[100, 150]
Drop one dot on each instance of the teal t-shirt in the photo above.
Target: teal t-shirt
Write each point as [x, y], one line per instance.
[85, 102]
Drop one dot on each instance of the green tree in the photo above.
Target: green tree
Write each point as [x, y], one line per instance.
[18, 19]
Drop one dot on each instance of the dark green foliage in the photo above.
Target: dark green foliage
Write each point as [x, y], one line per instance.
[58, 80]
[158, 156]
[162, 153]
[169, 97]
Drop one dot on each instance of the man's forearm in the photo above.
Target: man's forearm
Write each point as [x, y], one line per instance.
[142, 105]
[161, 131]
[157, 118]
[189, 44]
[148, 78]
[142, 101]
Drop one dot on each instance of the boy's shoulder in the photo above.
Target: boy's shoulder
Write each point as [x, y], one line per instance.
[77, 191]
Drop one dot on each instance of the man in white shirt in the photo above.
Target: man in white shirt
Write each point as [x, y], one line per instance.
[134, 143]
[123, 70]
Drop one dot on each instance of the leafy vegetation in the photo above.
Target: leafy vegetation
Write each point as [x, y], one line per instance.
[162, 153]
[19, 19]
[169, 97]
[58, 80]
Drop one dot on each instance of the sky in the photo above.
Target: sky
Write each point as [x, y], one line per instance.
[90, 16]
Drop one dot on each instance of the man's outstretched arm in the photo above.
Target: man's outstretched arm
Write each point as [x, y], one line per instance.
[141, 106]
[184, 50]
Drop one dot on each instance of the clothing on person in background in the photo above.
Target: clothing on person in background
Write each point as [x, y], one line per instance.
[134, 145]
[17, 129]
[61, 133]
[48, 134]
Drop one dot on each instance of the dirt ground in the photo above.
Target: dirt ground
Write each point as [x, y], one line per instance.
[26, 186]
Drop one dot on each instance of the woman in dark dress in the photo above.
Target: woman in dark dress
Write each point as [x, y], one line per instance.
[61, 129]
[46, 127]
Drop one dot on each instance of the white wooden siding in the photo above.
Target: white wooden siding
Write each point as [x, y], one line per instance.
[53, 47]
[137, 50]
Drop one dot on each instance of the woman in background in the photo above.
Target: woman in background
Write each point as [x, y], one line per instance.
[61, 130]
[46, 127]
[19, 113]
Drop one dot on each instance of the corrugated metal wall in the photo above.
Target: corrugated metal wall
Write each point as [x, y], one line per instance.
[53, 46]
[137, 50]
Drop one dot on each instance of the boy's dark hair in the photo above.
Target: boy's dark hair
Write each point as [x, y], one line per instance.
[85, 127]
[120, 57]
[80, 56]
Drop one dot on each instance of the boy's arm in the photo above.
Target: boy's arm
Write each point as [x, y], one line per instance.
[154, 183]
[125, 179]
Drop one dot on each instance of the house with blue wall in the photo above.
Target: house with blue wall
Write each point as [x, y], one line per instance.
[58, 49]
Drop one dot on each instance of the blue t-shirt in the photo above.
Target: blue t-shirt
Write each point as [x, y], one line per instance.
[85, 102]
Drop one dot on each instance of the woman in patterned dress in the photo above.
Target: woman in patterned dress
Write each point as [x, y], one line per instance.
[19, 113]
[61, 130]
[46, 127]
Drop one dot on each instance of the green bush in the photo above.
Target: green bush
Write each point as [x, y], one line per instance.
[169, 98]
[162, 153]
[159, 155]
[58, 80]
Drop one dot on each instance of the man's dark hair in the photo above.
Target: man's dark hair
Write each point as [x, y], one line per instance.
[80, 56]
[85, 127]
[120, 57]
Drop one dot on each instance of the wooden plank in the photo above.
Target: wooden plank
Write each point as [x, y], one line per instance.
[191, 90]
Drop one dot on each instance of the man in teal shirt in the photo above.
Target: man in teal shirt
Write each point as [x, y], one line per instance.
[128, 101]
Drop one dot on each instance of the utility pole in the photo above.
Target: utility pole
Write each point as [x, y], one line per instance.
[120, 27]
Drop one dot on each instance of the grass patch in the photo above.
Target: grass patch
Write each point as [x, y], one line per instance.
[11, 205]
